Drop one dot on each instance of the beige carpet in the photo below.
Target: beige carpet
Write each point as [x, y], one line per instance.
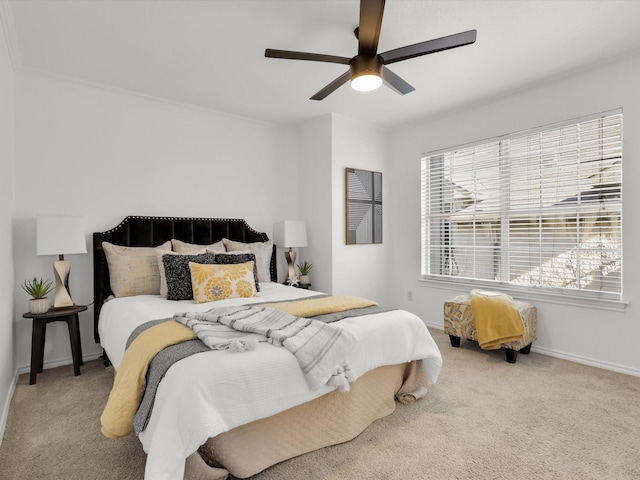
[542, 418]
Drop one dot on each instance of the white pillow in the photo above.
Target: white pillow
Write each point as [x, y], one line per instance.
[183, 247]
[134, 270]
[262, 251]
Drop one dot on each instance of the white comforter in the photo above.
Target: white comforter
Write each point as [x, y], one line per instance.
[209, 393]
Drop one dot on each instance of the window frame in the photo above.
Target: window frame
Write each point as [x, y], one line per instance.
[566, 296]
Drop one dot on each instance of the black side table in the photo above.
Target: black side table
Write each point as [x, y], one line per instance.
[39, 331]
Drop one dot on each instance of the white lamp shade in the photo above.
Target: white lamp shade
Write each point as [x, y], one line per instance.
[290, 233]
[60, 235]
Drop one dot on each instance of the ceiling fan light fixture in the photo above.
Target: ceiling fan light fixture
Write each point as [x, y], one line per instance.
[366, 72]
[366, 82]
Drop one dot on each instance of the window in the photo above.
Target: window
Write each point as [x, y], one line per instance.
[540, 208]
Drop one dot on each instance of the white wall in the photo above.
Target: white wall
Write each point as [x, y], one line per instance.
[328, 145]
[315, 198]
[359, 269]
[593, 336]
[104, 155]
[7, 162]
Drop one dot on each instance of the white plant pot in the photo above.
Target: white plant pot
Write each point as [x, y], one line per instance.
[303, 279]
[39, 305]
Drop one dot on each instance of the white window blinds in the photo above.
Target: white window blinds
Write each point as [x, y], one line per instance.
[538, 208]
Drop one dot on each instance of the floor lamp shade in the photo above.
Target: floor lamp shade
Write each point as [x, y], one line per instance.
[60, 235]
[290, 234]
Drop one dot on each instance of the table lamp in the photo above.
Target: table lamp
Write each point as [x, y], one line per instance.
[60, 235]
[290, 234]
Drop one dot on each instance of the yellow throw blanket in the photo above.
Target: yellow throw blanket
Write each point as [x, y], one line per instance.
[320, 306]
[497, 319]
[129, 385]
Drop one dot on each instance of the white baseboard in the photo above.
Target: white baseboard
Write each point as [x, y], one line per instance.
[586, 361]
[59, 363]
[7, 404]
[437, 326]
[569, 356]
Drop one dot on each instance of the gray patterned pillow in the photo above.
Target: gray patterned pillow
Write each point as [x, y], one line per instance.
[178, 275]
[233, 258]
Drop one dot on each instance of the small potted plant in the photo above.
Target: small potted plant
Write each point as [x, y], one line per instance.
[304, 268]
[38, 289]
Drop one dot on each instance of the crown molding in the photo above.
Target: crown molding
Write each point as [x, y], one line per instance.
[60, 78]
[8, 25]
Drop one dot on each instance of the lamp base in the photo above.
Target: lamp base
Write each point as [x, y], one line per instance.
[62, 299]
[290, 255]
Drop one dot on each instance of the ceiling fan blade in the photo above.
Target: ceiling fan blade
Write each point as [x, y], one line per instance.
[430, 46]
[370, 23]
[332, 87]
[395, 82]
[315, 57]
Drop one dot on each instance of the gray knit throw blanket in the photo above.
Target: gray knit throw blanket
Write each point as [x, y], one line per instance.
[321, 349]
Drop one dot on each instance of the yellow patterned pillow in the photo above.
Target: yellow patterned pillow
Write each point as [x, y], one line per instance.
[217, 282]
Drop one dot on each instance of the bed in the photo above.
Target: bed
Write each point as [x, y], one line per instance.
[219, 412]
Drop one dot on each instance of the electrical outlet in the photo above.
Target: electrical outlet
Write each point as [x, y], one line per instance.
[409, 295]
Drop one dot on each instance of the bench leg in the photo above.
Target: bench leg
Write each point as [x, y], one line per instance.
[511, 355]
[526, 350]
[455, 341]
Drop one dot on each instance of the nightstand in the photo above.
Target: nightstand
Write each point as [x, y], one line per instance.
[39, 331]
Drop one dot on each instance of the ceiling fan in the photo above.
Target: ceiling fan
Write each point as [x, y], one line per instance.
[367, 70]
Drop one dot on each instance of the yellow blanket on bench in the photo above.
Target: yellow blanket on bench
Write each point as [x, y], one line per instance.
[497, 319]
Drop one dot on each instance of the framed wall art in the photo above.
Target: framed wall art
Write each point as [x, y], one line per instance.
[363, 206]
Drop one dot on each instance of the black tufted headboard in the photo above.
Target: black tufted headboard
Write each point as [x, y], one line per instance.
[153, 231]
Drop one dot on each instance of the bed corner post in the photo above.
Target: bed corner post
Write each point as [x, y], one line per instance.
[98, 282]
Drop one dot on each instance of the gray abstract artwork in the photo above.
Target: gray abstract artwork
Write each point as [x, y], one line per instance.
[364, 206]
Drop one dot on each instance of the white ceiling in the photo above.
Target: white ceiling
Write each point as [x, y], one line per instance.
[211, 53]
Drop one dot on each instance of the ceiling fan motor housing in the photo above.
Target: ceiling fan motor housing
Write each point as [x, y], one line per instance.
[365, 65]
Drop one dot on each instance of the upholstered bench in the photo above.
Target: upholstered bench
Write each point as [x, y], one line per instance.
[459, 323]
